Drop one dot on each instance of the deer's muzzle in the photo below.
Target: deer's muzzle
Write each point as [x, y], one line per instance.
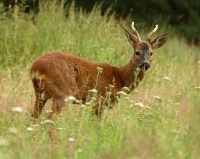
[145, 66]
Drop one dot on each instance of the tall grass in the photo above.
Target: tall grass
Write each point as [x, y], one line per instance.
[160, 119]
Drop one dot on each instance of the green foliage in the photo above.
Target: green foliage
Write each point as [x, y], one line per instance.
[158, 120]
[182, 15]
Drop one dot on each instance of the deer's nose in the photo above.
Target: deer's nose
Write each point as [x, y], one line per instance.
[145, 66]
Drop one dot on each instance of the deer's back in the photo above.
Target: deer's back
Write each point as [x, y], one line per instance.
[65, 74]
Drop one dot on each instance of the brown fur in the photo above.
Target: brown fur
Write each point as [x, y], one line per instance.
[59, 75]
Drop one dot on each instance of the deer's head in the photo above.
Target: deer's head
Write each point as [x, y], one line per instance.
[143, 50]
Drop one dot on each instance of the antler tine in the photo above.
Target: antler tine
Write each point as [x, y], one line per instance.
[150, 34]
[135, 31]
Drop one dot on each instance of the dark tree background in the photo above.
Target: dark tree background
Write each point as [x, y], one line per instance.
[183, 15]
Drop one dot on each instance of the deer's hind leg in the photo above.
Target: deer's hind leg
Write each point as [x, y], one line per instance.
[41, 98]
[57, 105]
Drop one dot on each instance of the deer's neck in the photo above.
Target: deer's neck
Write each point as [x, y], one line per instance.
[130, 75]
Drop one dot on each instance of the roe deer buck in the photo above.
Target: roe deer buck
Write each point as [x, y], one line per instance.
[59, 75]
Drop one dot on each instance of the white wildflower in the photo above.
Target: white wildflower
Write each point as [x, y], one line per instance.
[47, 122]
[166, 78]
[87, 103]
[111, 86]
[198, 62]
[29, 129]
[93, 91]
[17, 109]
[48, 111]
[71, 139]
[70, 99]
[125, 89]
[122, 93]
[157, 97]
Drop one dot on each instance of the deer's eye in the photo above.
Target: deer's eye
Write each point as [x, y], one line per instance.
[151, 53]
[137, 53]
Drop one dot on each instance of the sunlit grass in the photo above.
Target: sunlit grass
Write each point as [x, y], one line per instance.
[157, 120]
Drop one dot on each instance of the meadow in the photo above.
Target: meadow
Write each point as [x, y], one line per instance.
[158, 120]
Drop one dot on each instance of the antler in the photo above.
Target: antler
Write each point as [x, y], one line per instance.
[135, 31]
[150, 34]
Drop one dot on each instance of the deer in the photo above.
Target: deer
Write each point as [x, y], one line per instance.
[59, 75]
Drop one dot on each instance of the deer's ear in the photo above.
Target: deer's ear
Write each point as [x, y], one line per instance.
[133, 40]
[160, 41]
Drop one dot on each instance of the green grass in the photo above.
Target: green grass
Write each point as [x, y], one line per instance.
[167, 128]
